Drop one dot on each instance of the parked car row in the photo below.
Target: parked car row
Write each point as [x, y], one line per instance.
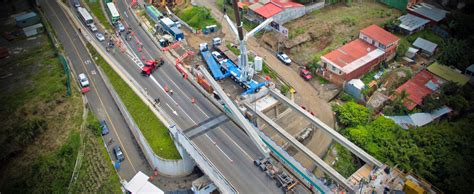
[84, 83]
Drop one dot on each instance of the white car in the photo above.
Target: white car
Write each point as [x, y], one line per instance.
[217, 56]
[284, 58]
[83, 80]
[120, 26]
[216, 41]
[99, 36]
[93, 27]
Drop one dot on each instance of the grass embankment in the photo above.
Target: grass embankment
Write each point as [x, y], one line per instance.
[39, 134]
[151, 127]
[97, 174]
[197, 17]
[96, 9]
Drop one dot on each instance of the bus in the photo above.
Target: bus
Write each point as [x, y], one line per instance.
[113, 13]
[85, 16]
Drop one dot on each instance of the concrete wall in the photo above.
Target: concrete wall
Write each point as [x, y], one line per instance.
[289, 14]
[314, 7]
[174, 168]
[166, 167]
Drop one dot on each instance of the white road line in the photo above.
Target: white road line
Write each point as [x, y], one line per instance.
[184, 94]
[207, 116]
[125, 13]
[174, 112]
[213, 142]
[240, 148]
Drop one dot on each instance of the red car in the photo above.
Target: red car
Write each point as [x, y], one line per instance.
[305, 74]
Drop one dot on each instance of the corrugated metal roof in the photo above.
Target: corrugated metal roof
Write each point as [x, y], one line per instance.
[448, 73]
[429, 11]
[416, 88]
[424, 44]
[470, 68]
[268, 10]
[25, 16]
[357, 83]
[410, 22]
[379, 34]
[348, 53]
[419, 119]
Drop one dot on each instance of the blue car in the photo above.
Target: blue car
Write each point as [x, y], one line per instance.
[104, 127]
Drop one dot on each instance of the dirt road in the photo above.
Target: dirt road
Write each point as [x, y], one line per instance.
[306, 95]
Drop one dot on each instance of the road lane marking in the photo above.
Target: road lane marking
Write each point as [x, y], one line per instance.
[184, 94]
[92, 83]
[125, 13]
[174, 112]
[213, 142]
[200, 109]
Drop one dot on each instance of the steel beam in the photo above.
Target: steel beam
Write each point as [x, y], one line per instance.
[331, 132]
[235, 112]
[288, 137]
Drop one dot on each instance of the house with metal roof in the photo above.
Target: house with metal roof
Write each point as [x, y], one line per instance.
[427, 47]
[419, 119]
[359, 56]
[33, 30]
[27, 19]
[410, 24]
[448, 73]
[428, 11]
[419, 86]
[281, 11]
[470, 72]
[354, 88]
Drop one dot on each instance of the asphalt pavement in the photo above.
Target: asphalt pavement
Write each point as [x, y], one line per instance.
[227, 146]
[99, 98]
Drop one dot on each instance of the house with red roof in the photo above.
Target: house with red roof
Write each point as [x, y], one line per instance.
[359, 56]
[281, 11]
[419, 86]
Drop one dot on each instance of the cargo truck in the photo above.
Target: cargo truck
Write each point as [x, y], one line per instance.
[171, 28]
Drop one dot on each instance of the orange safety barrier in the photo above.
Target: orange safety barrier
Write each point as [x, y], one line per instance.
[176, 44]
[181, 70]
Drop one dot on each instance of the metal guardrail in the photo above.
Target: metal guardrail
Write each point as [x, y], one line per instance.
[210, 169]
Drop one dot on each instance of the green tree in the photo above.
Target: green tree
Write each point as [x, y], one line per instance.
[352, 114]
[456, 53]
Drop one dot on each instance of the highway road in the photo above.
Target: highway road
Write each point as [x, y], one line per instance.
[226, 145]
[99, 99]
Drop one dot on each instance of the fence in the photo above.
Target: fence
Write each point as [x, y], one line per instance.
[57, 49]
